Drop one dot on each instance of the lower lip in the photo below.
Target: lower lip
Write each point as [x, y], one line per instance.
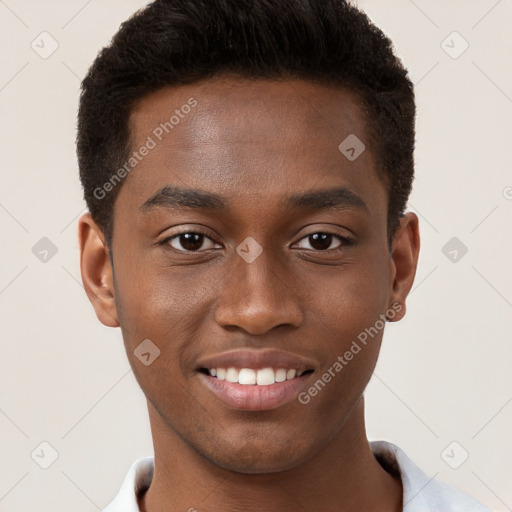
[255, 398]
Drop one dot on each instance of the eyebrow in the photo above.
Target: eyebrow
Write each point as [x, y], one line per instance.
[177, 198]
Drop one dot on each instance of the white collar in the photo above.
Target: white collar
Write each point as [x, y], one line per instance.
[420, 492]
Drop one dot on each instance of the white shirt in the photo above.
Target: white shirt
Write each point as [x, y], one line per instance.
[420, 493]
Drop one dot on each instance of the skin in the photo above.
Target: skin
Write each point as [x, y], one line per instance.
[254, 143]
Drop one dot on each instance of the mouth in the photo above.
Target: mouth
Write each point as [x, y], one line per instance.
[255, 380]
[255, 377]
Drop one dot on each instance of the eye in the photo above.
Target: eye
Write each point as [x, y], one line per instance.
[197, 241]
[322, 241]
[190, 241]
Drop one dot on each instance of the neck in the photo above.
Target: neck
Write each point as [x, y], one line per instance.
[344, 476]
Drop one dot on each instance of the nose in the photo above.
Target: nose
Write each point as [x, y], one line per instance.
[258, 297]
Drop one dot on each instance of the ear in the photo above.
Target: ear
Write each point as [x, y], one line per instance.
[96, 270]
[404, 260]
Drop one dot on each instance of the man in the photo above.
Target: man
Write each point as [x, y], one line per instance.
[246, 165]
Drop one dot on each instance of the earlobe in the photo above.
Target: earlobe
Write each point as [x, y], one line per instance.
[404, 261]
[96, 270]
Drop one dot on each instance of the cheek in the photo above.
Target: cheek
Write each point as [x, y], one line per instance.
[349, 297]
[347, 314]
[168, 306]
[348, 326]
[155, 298]
[168, 312]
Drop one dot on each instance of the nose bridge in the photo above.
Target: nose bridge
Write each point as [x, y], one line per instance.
[254, 296]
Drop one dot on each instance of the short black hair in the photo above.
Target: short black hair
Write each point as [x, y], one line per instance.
[175, 42]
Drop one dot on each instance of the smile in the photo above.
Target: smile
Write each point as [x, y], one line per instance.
[255, 377]
[255, 380]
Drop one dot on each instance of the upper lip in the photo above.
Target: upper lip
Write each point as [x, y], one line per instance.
[256, 359]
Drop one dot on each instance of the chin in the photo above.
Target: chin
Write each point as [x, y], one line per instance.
[256, 467]
[255, 458]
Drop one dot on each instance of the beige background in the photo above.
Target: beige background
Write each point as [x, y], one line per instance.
[444, 373]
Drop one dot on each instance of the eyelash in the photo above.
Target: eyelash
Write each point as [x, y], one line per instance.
[345, 241]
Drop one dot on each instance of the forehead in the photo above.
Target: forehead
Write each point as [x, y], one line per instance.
[249, 138]
[231, 109]
[230, 98]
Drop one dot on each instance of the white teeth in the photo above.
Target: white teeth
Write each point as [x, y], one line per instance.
[265, 377]
[248, 376]
[232, 375]
[281, 375]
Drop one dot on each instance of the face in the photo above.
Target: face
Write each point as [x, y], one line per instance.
[245, 239]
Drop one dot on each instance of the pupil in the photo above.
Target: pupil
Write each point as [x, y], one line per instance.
[191, 241]
[320, 240]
